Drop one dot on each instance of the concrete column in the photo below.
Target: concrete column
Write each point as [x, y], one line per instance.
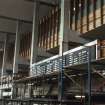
[3, 72]
[34, 47]
[30, 90]
[63, 42]
[4, 56]
[64, 25]
[16, 54]
[35, 33]
[17, 47]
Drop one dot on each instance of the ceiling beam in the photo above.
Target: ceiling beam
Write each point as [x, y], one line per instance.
[43, 2]
[15, 19]
[9, 33]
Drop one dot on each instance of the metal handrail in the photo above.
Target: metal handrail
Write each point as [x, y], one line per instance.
[49, 65]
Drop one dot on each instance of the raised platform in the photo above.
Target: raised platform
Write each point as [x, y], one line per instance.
[53, 50]
[72, 70]
[97, 33]
[84, 66]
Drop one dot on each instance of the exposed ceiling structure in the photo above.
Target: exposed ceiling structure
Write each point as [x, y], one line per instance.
[18, 9]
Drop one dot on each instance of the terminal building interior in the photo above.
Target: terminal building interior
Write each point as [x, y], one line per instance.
[52, 52]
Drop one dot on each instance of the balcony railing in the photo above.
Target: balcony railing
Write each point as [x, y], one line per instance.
[72, 57]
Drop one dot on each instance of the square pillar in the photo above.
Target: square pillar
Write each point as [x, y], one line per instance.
[3, 72]
[34, 46]
[17, 47]
[64, 25]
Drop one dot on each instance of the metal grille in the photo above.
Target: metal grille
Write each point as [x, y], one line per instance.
[77, 57]
[70, 58]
